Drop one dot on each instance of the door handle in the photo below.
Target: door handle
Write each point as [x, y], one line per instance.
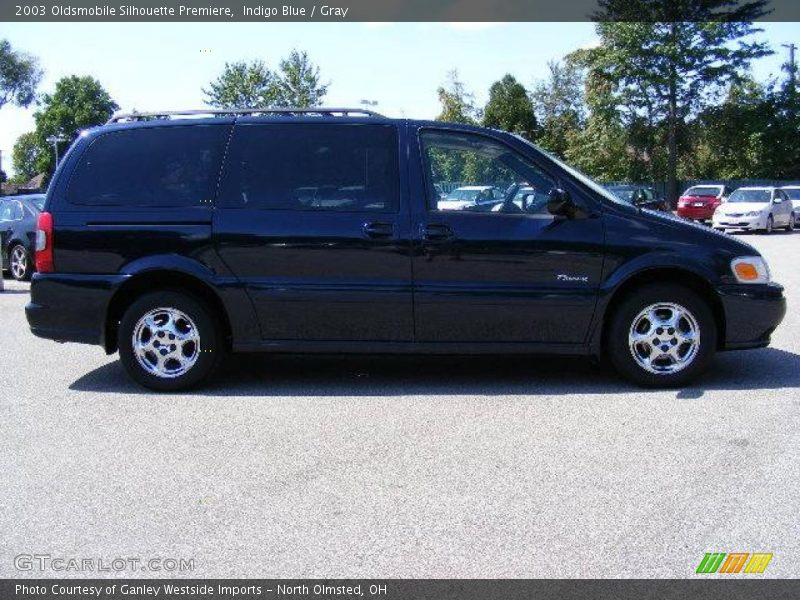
[437, 233]
[378, 230]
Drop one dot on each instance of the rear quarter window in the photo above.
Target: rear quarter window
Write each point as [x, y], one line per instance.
[159, 167]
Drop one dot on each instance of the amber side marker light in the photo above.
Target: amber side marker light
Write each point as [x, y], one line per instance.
[746, 271]
[750, 269]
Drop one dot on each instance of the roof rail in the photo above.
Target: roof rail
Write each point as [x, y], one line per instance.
[167, 114]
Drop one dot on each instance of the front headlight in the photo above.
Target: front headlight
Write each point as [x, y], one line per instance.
[750, 269]
[753, 213]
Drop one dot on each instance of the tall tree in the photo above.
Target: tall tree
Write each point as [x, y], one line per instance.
[559, 106]
[296, 83]
[510, 108]
[732, 140]
[300, 84]
[77, 103]
[458, 105]
[19, 76]
[25, 156]
[665, 71]
[243, 85]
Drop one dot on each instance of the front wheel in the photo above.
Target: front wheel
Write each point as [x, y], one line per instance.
[169, 341]
[20, 263]
[769, 226]
[792, 222]
[661, 335]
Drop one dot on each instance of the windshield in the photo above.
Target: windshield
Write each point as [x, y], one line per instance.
[793, 193]
[703, 191]
[584, 179]
[761, 196]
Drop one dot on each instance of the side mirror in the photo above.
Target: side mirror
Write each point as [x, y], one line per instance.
[560, 204]
[777, 200]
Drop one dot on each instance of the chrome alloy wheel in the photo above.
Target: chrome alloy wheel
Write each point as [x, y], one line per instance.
[166, 342]
[18, 262]
[664, 338]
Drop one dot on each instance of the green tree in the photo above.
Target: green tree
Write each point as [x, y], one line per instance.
[560, 107]
[299, 83]
[732, 140]
[25, 156]
[458, 105]
[19, 76]
[243, 85]
[296, 83]
[600, 146]
[510, 108]
[77, 103]
[664, 72]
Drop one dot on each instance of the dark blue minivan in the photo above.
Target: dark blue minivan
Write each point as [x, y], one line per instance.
[178, 237]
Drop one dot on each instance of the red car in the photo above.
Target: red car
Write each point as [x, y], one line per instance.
[699, 202]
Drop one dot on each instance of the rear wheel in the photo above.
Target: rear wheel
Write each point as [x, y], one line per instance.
[169, 341]
[661, 335]
[19, 263]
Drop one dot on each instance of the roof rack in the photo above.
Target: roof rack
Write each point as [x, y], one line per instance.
[167, 114]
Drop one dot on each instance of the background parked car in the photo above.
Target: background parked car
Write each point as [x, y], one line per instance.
[643, 197]
[756, 208]
[793, 193]
[700, 201]
[471, 197]
[18, 215]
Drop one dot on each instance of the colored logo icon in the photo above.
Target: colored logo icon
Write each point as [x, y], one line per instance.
[737, 562]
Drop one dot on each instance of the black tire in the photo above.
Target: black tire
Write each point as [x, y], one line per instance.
[792, 222]
[618, 347]
[23, 269]
[207, 352]
[770, 225]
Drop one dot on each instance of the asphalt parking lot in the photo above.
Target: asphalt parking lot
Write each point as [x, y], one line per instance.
[402, 467]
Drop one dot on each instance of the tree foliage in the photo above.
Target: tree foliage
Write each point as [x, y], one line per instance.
[510, 108]
[296, 83]
[458, 104]
[78, 102]
[299, 82]
[662, 73]
[243, 85]
[19, 76]
[560, 107]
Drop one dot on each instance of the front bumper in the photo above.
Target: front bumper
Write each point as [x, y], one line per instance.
[752, 312]
[741, 222]
[71, 308]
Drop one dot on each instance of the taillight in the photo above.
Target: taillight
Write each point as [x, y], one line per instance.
[44, 243]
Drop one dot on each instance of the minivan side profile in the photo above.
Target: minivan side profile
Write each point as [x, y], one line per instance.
[182, 237]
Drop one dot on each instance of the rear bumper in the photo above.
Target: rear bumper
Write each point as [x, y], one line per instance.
[752, 312]
[71, 308]
[695, 212]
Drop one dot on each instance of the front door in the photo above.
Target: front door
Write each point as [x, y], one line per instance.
[508, 271]
[310, 220]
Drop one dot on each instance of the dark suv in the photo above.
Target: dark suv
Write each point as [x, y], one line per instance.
[175, 239]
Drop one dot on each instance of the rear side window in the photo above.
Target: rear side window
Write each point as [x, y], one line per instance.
[162, 167]
[351, 168]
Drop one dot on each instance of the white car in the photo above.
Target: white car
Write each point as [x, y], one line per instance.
[755, 208]
[470, 196]
[793, 192]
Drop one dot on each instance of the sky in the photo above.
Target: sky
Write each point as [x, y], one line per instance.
[163, 66]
